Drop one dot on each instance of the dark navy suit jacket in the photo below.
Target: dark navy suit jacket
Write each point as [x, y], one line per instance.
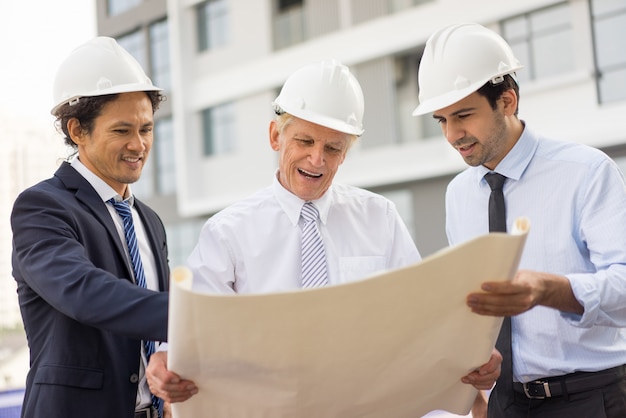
[84, 318]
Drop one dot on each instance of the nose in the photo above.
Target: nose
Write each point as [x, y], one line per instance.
[316, 156]
[453, 131]
[137, 142]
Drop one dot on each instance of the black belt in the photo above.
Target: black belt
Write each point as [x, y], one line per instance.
[551, 387]
[145, 413]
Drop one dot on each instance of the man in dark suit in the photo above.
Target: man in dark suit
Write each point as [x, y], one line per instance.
[86, 307]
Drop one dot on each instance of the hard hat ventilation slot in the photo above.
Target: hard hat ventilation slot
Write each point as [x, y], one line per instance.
[104, 83]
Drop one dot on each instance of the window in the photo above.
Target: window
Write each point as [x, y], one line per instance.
[116, 7]
[218, 126]
[159, 171]
[135, 44]
[144, 187]
[542, 41]
[213, 24]
[609, 29]
[403, 199]
[289, 23]
[411, 128]
[160, 55]
[163, 156]
[399, 5]
[181, 239]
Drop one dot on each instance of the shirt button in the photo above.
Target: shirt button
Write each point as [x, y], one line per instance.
[134, 378]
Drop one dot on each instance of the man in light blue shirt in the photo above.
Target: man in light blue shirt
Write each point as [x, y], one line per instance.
[568, 301]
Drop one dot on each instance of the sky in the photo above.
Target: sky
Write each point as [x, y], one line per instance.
[35, 36]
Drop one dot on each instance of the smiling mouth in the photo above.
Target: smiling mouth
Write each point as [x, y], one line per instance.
[132, 159]
[465, 148]
[308, 174]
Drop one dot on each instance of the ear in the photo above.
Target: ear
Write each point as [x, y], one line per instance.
[274, 136]
[75, 130]
[509, 99]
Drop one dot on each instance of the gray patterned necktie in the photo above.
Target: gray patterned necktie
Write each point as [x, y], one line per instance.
[314, 272]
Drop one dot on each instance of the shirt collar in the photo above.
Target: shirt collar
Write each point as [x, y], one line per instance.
[105, 191]
[292, 204]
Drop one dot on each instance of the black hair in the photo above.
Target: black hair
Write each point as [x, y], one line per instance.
[494, 91]
[87, 109]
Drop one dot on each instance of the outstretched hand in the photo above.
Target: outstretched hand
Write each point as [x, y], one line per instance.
[166, 384]
[527, 290]
[486, 375]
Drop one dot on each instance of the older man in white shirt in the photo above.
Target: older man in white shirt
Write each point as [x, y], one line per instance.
[254, 246]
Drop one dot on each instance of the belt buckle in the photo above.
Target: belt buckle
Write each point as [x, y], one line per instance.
[531, 392]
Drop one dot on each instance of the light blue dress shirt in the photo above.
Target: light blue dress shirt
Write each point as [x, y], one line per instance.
[575, 198]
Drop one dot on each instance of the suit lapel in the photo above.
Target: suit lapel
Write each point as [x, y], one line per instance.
[88, 196]
[151, 225]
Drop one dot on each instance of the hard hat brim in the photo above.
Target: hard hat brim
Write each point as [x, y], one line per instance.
[322, 120]
[129, 88]
[447, 99]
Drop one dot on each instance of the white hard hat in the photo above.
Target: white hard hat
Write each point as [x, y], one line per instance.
[98, 67]
[326, 94]
[458, 60]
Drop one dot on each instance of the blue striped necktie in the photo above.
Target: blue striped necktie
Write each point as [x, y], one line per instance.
[123, 209]
[314, 272]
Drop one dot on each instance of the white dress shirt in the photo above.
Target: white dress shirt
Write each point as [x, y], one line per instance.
[254, 245]
[575, 198]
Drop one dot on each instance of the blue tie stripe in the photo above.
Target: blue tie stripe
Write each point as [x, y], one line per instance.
[314, 272]
[123, 209]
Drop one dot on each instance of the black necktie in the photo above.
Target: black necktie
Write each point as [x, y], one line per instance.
[497, 223]
[497, 210]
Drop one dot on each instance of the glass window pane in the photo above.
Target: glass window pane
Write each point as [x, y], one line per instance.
[553, 54]
[144, 187]
[607, 6]
[165, 161]
[403, 199]
[160, 55]
[181, 239]
[285, 4]
[134, 43]
[289, 27]
[213, 24]
[116, 7]
[613, 86]
[219, 129]
[207, 132]
[610, 40]
[515, 28]
[542, 41]
[430, 127]
[522, 53]
[549, 19]
[224, 128]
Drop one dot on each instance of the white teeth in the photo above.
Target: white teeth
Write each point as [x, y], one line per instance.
[309, 174]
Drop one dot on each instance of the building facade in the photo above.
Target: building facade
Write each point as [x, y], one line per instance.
[222, 62]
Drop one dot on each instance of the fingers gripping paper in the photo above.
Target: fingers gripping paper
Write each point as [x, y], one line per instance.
[394, 345]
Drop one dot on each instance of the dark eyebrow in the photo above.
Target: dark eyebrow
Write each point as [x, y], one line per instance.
[125, 124]
[467, 109]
